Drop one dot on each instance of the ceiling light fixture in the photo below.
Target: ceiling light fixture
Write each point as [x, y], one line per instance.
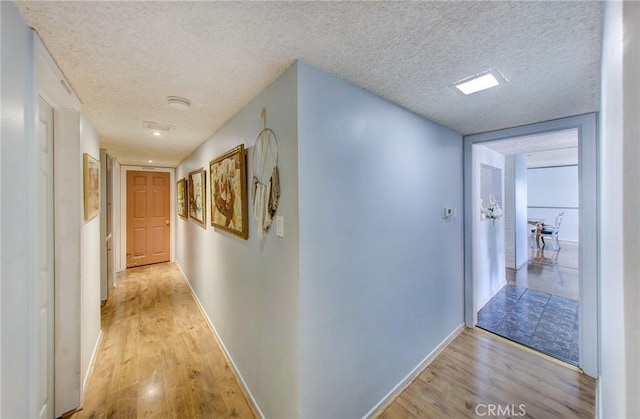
[149, 161]
[180, 103]
[480, 82]
[157, 129]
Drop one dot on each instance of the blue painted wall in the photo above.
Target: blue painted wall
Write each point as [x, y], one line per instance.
[249, 288]
[381, 272]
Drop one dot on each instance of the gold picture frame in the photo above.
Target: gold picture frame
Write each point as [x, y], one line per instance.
[91, 175]
[182, 201]
[197, 196]
[228, 183]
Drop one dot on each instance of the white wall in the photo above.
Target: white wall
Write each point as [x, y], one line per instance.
[19, 204]
[631, 82]
[489, 237]
[18, 102]
[1, 222]
[380, 270]
[68, 233]
[552, 190]
[249, 289]
[619, 207]
[515, 210]
[90, 265]
[521, 227]
[612, 334]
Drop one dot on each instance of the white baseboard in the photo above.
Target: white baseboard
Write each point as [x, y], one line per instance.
[384, 403]
[234, 368]
[598, 398]
[92, 364]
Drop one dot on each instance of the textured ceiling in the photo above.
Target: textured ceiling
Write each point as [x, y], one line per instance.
[561, 157]
[124, 58]
[558, 148]
[536, 143]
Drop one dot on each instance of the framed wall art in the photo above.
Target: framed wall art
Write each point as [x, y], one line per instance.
[181, 190]
[228, 185]
[91, 186]
[196, 204]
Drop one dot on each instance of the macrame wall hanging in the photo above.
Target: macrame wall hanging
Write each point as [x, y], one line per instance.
[265, 185]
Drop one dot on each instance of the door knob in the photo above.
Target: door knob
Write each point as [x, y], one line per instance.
[166, 222]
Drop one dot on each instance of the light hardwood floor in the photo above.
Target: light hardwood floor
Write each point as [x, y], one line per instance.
[158, 356]
[477, 372]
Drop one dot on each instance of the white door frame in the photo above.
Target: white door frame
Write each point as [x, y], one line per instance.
[52, 86]
[45, 265]
[588, 224]
[121, 263]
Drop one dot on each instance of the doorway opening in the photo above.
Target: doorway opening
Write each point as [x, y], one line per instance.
[531, 271]
[537, 301]
[161, 227]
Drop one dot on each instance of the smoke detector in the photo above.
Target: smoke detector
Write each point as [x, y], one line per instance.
[180, 103]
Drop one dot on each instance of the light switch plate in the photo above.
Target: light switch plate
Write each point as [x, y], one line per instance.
[279, 226]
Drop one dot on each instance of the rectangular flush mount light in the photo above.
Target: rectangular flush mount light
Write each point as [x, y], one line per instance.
[479, 82]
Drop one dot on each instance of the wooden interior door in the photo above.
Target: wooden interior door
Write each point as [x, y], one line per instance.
[147, 218]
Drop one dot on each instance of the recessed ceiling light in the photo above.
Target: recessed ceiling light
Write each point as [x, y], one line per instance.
[157, 126]
[177, 102]
[156, 133]
[479, 82]
[149, 161]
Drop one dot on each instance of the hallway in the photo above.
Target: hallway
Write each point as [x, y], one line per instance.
[158, 356]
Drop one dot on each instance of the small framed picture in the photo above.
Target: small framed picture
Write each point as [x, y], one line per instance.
[182, 198]
[196, 205]
[91, 187]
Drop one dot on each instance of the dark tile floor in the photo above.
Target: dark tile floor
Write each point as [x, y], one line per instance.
[539, 308]
[541, 321]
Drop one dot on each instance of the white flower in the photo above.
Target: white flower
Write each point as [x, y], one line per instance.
[492, 211]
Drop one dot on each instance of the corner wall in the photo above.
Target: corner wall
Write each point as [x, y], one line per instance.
[489, 237]
[68, 210]
[90, 269]
[619, 240]
[631, 82]
[17, 101]
[249, 288]
[515, 215]
[381, 272]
